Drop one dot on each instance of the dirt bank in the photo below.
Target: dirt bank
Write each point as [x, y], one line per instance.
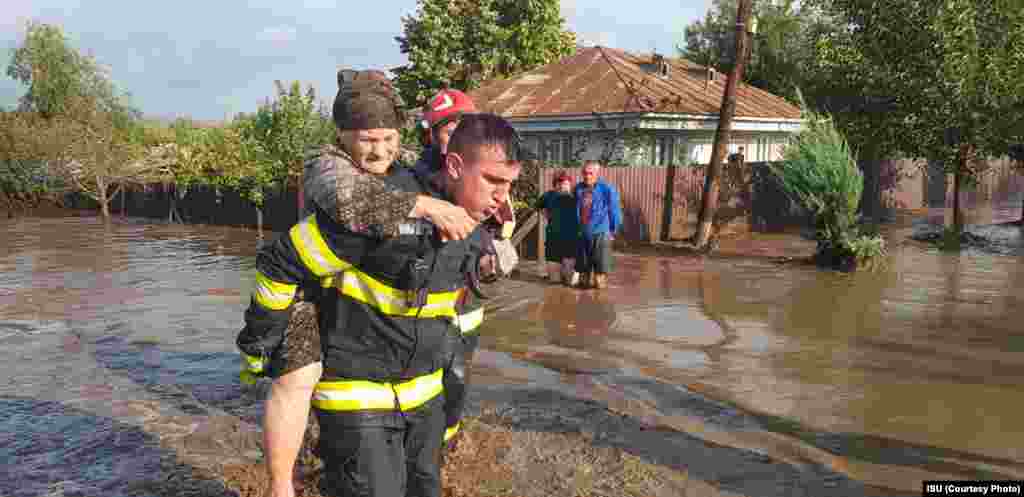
[492, 458]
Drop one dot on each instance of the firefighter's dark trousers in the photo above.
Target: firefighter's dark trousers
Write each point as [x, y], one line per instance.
[383, 454]
[456, 383]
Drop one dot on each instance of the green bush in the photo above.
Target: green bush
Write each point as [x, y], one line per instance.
[820, 172]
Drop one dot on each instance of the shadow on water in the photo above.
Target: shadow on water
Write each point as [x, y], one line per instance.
[49, 448]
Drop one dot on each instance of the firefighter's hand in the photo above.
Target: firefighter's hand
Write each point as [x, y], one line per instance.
[452, 221]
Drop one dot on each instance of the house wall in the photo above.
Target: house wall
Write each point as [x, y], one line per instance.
[650, 147]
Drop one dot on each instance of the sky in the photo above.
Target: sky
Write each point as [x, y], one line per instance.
[211, 59]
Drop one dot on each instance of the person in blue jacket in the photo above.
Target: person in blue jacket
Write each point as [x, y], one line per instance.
[600, 215]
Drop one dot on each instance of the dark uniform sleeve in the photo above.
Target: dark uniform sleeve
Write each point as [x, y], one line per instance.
[304, 256]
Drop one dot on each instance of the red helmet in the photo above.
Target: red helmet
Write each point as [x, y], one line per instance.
[447, 105]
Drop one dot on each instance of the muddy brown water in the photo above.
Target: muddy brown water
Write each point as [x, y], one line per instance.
[117, 336]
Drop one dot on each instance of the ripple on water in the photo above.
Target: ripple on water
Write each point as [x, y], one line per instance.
[44, 445]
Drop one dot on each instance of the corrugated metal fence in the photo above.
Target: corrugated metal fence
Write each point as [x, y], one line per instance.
[642, 190]
[904, 184]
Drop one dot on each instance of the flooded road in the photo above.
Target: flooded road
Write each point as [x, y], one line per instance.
[118, 337]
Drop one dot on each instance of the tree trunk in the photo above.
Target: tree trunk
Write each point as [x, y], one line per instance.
[173, 213]
[958, 222]
[101, 197]
[542, 225]
[259, 221]
[124, 210]
[712, 180]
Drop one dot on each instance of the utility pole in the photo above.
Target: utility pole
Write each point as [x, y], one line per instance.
[712, 179]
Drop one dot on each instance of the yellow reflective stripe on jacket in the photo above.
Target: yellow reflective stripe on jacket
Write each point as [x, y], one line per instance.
[327, 281]
[392, 301]
[273, 295]
[451, 431]
[359, 395]
[470, 321]
[313, 250]
[252, 369]
[253, 364]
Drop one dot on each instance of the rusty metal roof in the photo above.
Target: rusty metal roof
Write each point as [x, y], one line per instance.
[608, 80]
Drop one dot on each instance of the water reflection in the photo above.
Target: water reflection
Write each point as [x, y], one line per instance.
[36, 457]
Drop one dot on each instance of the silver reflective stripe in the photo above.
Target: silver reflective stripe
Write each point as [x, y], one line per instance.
[471, 320]
[313, 250]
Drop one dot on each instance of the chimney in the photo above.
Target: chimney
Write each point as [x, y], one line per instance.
[660, 65]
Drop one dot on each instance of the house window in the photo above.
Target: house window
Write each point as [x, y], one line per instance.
[663, 150]
[531, 143]
[680, 152]
[567, 152]
[557, 150]
[550, 149]
[700, 153]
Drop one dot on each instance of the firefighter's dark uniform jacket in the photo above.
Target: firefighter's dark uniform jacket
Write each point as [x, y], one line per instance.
[388, 313]
[469, 317]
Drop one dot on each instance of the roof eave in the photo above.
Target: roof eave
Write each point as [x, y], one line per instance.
[647, 115]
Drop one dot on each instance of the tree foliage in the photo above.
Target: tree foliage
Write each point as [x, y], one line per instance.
[946, 76]
[79, 124]
[222, 157]
[462, 43]
[57, 76]
[778, 49]
[820, 172]
[22, 170]
[287, 127]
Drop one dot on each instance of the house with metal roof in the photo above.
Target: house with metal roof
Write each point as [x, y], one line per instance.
[608, 104]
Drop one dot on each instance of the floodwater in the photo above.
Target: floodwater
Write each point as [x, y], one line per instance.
[116, 337]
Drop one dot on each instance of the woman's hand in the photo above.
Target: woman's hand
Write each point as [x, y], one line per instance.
[453, 221]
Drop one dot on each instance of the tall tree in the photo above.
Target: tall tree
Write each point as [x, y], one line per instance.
[462, 43]
[84, 127]
[57, 75]
[948, 73]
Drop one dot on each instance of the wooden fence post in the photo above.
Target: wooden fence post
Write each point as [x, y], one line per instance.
[259, 222]
[669, 204]
[541, 226]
